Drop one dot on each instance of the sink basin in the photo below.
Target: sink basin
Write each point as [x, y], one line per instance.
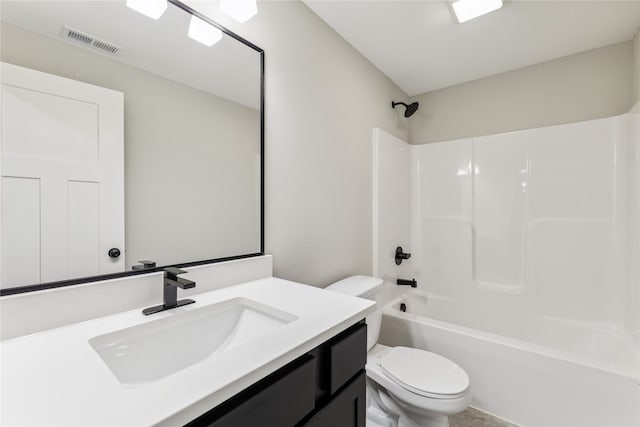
[156, 349]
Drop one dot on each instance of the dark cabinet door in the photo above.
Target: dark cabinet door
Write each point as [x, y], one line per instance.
[346, 409]
[276, 402]
[324, 388]
[348, 355]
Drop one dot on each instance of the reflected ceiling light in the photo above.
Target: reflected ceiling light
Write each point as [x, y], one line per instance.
[469, 9]
[240, 10]
[151, 8]
[203, 32]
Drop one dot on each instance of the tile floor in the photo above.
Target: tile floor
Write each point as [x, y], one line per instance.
[475, 418]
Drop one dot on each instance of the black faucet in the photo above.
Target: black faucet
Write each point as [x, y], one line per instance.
[406, 282]
[171, 284]
[144, 265]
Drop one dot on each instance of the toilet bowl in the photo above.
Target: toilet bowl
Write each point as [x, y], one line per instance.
[406, 387]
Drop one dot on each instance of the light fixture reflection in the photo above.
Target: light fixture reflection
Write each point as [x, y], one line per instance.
[469, 9]
[203, 32]
[151, 8]
[240, 10]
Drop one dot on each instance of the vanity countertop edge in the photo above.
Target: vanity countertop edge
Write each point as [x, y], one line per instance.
[55, 377]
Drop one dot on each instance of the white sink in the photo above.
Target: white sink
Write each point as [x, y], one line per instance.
[156, 349]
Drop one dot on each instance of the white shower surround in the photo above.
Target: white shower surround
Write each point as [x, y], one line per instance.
[522, 243]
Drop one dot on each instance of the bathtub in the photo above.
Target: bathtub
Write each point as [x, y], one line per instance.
[546, 372]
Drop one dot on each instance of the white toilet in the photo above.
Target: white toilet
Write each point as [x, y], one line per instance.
[406, 387]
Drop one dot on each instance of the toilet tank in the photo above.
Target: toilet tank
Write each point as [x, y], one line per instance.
[364, 287]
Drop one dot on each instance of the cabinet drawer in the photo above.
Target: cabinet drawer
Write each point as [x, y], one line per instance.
[278, 402]
[346, 409]
[348, 355]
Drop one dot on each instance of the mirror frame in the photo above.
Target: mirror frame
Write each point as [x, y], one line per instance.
[98, 278]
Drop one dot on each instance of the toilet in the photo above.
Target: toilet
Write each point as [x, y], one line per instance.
[406, 387]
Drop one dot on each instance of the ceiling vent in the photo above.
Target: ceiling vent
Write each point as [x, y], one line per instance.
[89, 41]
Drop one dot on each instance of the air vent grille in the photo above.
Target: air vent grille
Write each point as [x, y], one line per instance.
[89, 41]
[79, 37]
[99, 44]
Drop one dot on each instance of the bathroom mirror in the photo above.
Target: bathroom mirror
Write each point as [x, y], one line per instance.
[186, 185]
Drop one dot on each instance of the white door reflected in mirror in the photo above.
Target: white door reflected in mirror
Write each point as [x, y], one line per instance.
[62, 178]
[192, 128]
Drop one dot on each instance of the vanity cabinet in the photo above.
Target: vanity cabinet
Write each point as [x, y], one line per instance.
[346, 409]
[323, 388]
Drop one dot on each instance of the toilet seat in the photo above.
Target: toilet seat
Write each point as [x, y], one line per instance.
[424, 373]
[417, 404]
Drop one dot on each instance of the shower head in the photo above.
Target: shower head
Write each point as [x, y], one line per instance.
[409, 109]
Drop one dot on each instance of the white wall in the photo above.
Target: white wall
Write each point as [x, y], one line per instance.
[322, 100]
[632, 294]
[636, 67]
[584, 86]
[391, 209]
[179, 146]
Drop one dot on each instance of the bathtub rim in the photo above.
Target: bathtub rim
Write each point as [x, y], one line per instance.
[515, 343]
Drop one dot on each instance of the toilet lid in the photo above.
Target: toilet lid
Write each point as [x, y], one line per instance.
[425, 373]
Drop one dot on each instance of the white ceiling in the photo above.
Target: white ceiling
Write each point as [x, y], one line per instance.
[421, 47]
[227, 69]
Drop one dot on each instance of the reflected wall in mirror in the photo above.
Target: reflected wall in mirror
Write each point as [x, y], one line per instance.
[185, 183]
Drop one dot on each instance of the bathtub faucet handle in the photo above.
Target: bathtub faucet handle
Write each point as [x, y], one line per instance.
[401, 255]
[405, 282]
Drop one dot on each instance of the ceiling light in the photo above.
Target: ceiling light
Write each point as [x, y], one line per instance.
[203, 32]
[151, 8]
[240, 10]
[469, 9]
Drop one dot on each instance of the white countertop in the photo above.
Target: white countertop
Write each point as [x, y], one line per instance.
[55, 378]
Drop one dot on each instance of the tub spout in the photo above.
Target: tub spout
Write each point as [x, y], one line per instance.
[405, 282]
